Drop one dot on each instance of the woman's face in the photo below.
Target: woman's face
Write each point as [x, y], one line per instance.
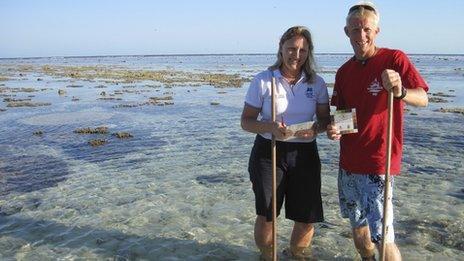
[294, 54]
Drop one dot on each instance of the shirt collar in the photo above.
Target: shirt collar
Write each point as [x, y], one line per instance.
[278, 74]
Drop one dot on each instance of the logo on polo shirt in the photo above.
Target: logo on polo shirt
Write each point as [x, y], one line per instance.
[310, 93]
[375, 87]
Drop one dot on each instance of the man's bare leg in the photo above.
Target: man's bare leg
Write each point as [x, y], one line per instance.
[392, 253]
[363, 243]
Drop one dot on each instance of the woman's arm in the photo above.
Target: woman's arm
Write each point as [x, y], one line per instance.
[249, 122]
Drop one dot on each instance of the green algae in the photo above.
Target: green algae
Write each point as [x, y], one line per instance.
[97, 130]
[452, 110]
[168, 78]
[97, 142]
[122, 135]
[27, 104]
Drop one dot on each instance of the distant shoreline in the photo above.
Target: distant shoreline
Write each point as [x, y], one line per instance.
[186, 55]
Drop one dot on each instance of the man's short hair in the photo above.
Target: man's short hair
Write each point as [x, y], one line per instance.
[362, 9]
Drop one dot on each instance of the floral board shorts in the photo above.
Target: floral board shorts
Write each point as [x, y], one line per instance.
[361, 200]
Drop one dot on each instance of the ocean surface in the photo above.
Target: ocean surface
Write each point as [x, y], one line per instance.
[179, 188]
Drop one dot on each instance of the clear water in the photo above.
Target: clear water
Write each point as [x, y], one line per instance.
[179, 189]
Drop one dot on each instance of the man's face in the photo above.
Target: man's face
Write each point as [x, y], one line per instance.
[362, 33]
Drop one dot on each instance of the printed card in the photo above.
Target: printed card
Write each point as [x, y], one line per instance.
[345, 120]
[301, 126]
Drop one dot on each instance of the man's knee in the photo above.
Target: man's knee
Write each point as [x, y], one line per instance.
[362, 234]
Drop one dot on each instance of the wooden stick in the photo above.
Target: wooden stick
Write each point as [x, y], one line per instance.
[274, 179]
[386, 195]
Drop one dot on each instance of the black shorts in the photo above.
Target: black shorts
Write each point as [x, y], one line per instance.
[298, 179]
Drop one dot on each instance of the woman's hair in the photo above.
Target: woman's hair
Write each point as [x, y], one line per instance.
[309, 67]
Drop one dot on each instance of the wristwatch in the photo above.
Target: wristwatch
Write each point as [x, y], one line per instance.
[403, 93]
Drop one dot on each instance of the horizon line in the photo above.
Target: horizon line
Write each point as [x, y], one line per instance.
[196, 54]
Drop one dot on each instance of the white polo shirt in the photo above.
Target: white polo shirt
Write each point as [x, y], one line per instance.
[294, 103]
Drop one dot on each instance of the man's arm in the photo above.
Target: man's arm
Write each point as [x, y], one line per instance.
[323, 117]
[415, 97]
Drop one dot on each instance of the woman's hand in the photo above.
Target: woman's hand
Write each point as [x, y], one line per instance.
[333, 132]
[307, 134]
[280, 131]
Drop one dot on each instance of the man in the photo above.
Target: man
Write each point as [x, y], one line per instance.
[363, 83]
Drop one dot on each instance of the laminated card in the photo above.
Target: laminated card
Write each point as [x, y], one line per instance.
[345, 120]
[301, 126]
[298, 127]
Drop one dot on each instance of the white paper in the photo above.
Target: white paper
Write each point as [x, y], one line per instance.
[301, 126]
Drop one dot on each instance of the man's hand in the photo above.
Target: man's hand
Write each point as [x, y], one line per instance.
[333, 132]
[391, 80]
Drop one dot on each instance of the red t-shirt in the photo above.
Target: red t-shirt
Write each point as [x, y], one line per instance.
[359, 86]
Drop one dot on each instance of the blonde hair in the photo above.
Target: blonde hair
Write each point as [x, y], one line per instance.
[363, 11]
[309, 67]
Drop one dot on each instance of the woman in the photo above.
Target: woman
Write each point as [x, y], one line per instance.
[300, 95]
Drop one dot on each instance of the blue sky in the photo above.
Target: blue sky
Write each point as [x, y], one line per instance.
[112, 27]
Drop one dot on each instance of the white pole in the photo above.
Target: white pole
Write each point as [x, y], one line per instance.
[386, 195]
[274, 179]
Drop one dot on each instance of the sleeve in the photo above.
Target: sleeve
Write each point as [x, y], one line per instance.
[410, 77]
[254, 96]
[322, 94]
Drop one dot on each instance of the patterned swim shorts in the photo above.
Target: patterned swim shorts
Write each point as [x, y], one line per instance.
[361, 200]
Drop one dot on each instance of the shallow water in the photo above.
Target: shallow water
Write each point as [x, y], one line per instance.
[179, 188]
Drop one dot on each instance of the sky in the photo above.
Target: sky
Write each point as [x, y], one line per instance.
[33, 28]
